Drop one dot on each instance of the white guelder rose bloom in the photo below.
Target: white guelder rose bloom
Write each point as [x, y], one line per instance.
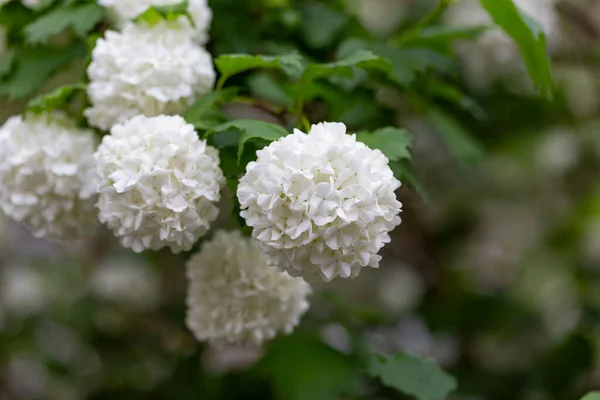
[494, 55]
[320, 202]
[47, 175]
[147, 70]
[234, 296]
[158, 183]
[126, 10]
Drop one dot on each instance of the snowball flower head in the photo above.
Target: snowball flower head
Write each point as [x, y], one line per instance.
[124, 11]
[47, 175]
[158, 183]
[147, 70]
[320, 202]
[234, 296]
[495, 55]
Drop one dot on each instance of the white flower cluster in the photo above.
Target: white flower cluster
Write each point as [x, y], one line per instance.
[126, 10]
[234, 296]
[47, 175]
[495, 55]
[158, 183]
[147, 70]
[320, 202]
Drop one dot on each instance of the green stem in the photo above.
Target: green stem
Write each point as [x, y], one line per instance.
[424, 22]
[221, 83]
[303, 122]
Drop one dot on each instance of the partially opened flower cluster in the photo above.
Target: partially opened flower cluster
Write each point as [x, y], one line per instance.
[319, 203]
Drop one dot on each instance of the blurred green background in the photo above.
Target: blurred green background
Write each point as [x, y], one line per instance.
[494, 272]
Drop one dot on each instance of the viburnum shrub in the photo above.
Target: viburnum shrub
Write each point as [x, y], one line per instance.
[146, 142]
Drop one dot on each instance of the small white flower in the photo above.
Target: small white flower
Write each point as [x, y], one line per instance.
[320, 202]
[494, 55]
[126, 10]
[234, 296]
[126, 281]
[47, 175]
[158, 183]
[148, 70]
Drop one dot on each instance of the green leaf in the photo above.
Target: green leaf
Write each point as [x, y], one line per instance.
[265, 87]
[363, 59]
[251, 130]
[456, 96]
[205, 113]
[232, 64]
[408, 63]
[422, 379]
[313, 370]
[591, 396]
[170, 12]
[393, 142]
[57, 98]
[459, 141]
[33, 65]
[403, 171]
[529, 36]
[321, 25]
[7, 61]
[81, 18]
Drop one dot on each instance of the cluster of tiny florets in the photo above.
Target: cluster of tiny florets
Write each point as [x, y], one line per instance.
[47, 175]
[124, 11]
[320, 202]
[234, 296]
[158, 183]
[146, 70]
